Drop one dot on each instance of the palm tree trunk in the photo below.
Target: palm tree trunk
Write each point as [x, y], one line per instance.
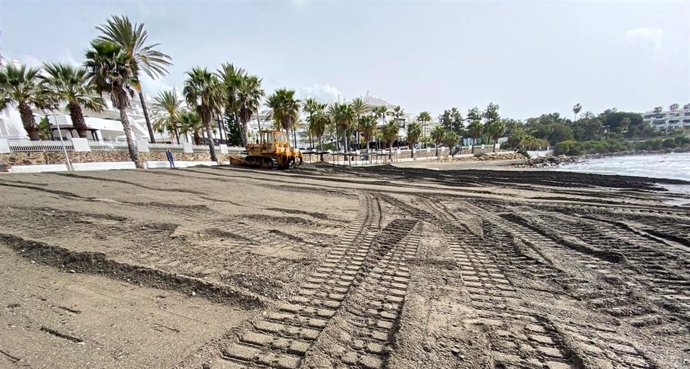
[146, 116]
[211, 146]
[245, 133]
[412, 148]
[78, 122]
[28, 121]
[131, 145]
[177, 136]
[258, 122]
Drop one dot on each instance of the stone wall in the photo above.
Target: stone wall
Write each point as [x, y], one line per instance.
[31, 158]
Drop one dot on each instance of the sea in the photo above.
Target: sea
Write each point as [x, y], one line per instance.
[671, 165]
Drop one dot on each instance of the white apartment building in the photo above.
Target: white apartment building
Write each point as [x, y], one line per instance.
[674, 117]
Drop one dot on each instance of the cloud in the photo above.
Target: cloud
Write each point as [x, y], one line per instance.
[650, 37]
[31, 61]
[153, 86]
[321, 92]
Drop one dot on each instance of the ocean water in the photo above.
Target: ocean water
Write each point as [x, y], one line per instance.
[672, 165]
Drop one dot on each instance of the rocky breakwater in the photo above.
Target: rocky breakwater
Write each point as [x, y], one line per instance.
[548, 161]
[488, 156]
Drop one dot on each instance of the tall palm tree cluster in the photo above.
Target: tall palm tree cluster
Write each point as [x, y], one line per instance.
[113, 65]
[452, 128]
[355, 125]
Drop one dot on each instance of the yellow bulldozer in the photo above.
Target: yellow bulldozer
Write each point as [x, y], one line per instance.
[271, 150]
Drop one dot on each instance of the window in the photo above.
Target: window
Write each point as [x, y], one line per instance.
[659, 121]
[280, 137]
[673, 121]
[267, 137]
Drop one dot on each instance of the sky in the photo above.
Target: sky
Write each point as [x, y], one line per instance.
[530, 57]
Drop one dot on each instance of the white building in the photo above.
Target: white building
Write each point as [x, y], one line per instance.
[674, 117]
[103, 126]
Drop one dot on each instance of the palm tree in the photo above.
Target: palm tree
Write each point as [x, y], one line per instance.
[190, 123]
[380, 112]
[44, 128]
[249, 95]
[359, 107]
[437, 135]
[493, 126]
[67, 83]
[109, 69]
[576, 110]
[318, 124]
[450, 139]
[22, 86]
[311, 107]
[316, 118]
[343, 115]
[284, 109]
[231, 78]
[204, 93]
[397, 113]
[131, 38]
[424, 118]
[368, 127]
[390, 133]
[414, 132]
[475, 128]
[168, 106]
[496, 130]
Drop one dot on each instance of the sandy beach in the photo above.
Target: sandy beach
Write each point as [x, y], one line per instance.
[323, 267]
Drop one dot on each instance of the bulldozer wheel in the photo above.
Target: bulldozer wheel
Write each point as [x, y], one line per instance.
[299, 161]
[290, 162]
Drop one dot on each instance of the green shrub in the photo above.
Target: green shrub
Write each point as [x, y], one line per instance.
[681, 141]
[568, 147]
[669, 143]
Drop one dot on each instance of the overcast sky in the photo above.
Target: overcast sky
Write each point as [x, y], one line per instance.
[530, 57]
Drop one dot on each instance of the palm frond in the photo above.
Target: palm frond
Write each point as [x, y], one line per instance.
[131, 38]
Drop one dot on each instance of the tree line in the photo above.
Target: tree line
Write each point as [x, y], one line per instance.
[551, 129]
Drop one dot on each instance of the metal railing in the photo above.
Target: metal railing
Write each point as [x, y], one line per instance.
[38, 146]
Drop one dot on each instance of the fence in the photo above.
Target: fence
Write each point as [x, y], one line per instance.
[38, 146]
[7, 146]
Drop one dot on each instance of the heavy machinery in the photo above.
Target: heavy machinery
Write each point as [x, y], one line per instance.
[271, 150]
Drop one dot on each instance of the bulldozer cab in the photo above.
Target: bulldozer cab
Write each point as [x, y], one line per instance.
[267, 138]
